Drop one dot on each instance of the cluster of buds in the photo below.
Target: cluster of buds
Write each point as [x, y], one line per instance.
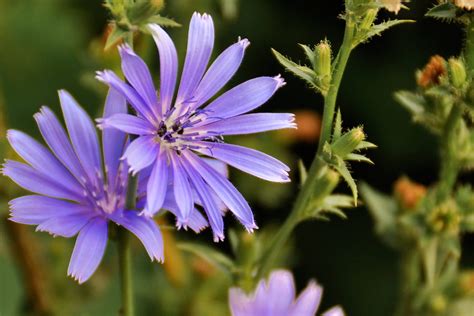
[129, 17]
[444, 219]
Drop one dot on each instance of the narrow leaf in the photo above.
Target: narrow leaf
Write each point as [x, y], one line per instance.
[303, 72]
[214, 257]
[163, 21]
[445, 10]
[341, 167]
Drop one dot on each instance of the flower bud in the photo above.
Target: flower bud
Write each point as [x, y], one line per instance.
[438, 304]
[326, 182]
[431, 75]
[391, 5]
[141, 10]
[409, 192]
[457, 72]
[348, 142]
[323, 63]
[465, 4]
[444, 218]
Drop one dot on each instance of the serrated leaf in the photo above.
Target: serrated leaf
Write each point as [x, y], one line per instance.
[358, 157]
[411, 101]
[341, 167]
[337, 126]
[378, 29]
[115, 36]
[445, 10]
[214, 257]
[163, 21]
[303, 72]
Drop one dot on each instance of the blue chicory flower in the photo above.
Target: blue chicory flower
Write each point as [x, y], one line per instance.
[174, 133]
[277, 298]
[79, 187]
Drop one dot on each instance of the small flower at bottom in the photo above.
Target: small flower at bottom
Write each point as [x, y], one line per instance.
[277, 298]
[175, 132]
[79, 187]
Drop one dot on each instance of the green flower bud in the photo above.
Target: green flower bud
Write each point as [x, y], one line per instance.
[348, 142]
[326, 182]
[445, 218]
[438, 304]
[323, 63]
[457, 72]
[142, 10]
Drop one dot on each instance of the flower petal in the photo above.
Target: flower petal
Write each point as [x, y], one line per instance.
[224, 190]
[240, 303]
[35, 209]
[65, 226]
[42, 160]
[168, 65]
[281, 292]
[127, 123]
[57, 139]
[113, 141]
[110, 78]
[181, 189]
[204, 193]
[138, 74]
[34, 181]
[89, 250]
[248, 160]
[244, 97]
[146, 230]
[141, 153]
[157, 184]
[334, 311]
[248, 124]
[308, 301]
[200, 44]
[83, 135]
[220, 72]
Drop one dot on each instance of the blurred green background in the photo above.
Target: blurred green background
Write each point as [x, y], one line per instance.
[46, 45]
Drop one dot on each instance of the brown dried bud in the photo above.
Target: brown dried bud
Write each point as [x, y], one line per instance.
[432, 73]
[409, 192]
[391, 5]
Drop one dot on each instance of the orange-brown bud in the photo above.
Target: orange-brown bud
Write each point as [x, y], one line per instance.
[432, 73]
[409, 192]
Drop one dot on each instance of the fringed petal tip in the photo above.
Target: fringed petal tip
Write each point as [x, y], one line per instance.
[103, 75]
[218, 237]
[244, 42]
[203, 16]
[280, 81]
[126, 49]
[250, 228]
[101, 123]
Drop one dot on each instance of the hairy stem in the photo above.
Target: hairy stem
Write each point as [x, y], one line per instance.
[305, 194]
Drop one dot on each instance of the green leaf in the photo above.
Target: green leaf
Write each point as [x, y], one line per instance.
[163, 21]
[115, 35]
[378, 29]
[383, 209]
[365, 145]
[303, 72]
[415, 103]
[445, 10]
[303, 171]
[337, 126]
[341, 167]
[211, 255]
[310, 54]
[358, 157]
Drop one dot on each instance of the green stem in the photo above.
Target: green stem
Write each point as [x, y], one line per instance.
[124, 252]
[304, 196]
[449, 163]
[469, 48]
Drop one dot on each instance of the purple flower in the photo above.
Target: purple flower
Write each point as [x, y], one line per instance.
[277, 298]
[174, 132]
[79, 186]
